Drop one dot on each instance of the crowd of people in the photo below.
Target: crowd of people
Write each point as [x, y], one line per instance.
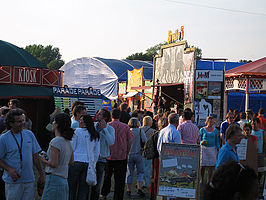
[113, 142]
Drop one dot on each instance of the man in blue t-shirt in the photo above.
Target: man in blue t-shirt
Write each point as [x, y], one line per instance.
[18, 151]
[228, 151]
[229, 120]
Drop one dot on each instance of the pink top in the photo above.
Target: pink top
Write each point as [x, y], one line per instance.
[190, 133]
[123, 136]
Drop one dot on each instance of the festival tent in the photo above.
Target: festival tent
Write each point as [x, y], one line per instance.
[249, 79]
[101, 73]
[24, 77]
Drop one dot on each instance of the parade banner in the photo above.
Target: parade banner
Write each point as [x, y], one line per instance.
[179, 170]
[92, 98]
[134, 79]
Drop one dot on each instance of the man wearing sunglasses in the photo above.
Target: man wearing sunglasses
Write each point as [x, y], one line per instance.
[229, 120]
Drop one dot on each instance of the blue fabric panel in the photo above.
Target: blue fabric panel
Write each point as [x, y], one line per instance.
[207, 65]
[118, 67]
[236, 100]
[147, 67]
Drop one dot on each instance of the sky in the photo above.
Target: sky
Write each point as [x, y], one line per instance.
[116, 29]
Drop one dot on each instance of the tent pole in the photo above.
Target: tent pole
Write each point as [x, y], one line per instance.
[247, 94]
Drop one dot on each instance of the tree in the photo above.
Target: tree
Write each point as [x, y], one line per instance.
[48, 55]
[154, 50]
[245, 61]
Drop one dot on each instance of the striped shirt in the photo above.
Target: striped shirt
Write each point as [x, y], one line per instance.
[190, 133]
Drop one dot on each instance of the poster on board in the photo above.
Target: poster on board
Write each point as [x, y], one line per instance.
[214, 90]
[201, 90]
[179, 167]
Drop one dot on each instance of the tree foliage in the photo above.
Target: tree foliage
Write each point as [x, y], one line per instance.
[154, 50]
[49, 55]
[245, 61]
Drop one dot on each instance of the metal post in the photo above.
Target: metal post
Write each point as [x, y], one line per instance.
[247, 94]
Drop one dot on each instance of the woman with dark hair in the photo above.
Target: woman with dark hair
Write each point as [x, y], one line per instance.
[85, 135]
[232, 181]
[135, 158]
[60, 154]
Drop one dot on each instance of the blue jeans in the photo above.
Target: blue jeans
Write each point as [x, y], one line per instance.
[147, 172]
[95, 190]
[56, 187]
[77, 181]
[135, 159]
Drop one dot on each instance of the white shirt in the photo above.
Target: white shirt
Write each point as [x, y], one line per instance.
[169, 134]
[80, 146]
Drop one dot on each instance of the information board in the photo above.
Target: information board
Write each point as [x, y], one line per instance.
[64, 97]
[208, 96]
[179, 170]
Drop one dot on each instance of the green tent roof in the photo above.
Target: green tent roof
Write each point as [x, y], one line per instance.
[11, 91]
[11, 55]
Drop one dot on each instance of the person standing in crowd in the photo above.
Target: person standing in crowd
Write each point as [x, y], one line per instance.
[124, 115]
[162, 123]
[161, 102]
[209, 146]
[135, 157]
[236, 115]
[169, 134]
[78, 111]
[18, 151]
[159, 115]
[189, 132]
[147, 124]
[13, 104]
[2, 119]
[84, 136]
[229, 120]
[107, 138]
[228, 151]
[249, 115]
[60, 154]
[154, 123]
[76, 103]
[117, 161]
[242, 120]
[27, 121]
[252, 148]
[232, 181]
[262, 124]
[260, 141]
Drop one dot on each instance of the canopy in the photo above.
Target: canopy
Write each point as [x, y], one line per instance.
[101, 73]
[248, 78]
[17, 91]
[11, 55]
[257, 67]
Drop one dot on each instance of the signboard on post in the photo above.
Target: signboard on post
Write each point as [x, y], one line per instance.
[64, 97]
[208, 95]
[179, 170]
